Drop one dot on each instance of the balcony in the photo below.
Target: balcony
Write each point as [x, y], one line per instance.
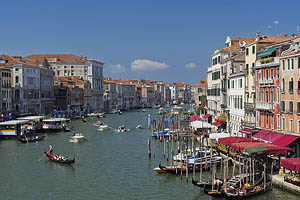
[266, 81]
[249, 106]
[247, 124]
[267, 62]
[264, 106]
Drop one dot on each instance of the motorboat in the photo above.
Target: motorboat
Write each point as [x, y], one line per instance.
[99, 123]
[78, 137]
[139, 126]
[122, 129]
[103, 127]
[144, 110]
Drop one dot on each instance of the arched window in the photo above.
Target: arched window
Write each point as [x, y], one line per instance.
[17, 79]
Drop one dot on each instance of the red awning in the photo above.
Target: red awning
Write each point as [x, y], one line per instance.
[217, 123]
[291, 163]
[276, 138]
[261, 134]
[272, 149]
[206, 116]
[195, 118]
[230, 140]
[285, 140]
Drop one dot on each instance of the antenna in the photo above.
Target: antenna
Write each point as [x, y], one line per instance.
[276, 24]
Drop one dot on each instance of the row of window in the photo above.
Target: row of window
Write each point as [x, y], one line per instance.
[291, 85]
[216, 75]
[6, 74]
[236, 102]
[216, 60]
[288, 63]
[290, 107]
[267, 95]
[267, 74]
[213, 92]
[247, 50]
[235, 84]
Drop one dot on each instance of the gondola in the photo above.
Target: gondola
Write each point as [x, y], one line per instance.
[200, 184]
[217, 192]
[247, 192]
[31, 139]
[54, 158]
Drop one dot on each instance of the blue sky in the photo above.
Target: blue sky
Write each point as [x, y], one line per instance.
[169, 40]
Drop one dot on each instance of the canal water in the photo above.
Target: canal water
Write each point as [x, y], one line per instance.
[110, 165]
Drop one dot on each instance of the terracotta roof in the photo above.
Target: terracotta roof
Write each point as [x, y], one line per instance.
[246, 39]
[234, 47]
[288, 39]
[60, 58]
[292, 53]
[269, 39]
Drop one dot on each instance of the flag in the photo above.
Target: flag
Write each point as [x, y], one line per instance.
[205, 105]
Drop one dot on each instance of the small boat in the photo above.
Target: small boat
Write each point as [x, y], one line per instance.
[200, 184]
[144, 110]
[103, 127]
[85, 119]
[66, 129]
[139, 126]
[170, 169]
[93, 114]
[101, 115]
[122, 129]
[216, 190]
[120, 113]
[31, 139]
[99, 123]
[164, 133]
[59, 158]
[78, 137]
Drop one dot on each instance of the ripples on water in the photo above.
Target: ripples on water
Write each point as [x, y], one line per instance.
[110, 165]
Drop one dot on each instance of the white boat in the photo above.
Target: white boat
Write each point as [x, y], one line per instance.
[139, 126]
[78, 137]
[144, 110]
[182, 155]
[103, 127]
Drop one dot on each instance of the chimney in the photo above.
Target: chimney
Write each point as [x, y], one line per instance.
[265, 36]
[293, 34]
[285, 35]
[258, 36]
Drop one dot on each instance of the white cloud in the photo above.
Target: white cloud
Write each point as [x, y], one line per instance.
[116, 69]
[147, 65]
[190, 65]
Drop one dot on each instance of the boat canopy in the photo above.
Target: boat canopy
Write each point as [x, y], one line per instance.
[32, 118]
[56, 120]
[13, 122]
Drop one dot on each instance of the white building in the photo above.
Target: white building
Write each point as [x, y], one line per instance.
[72, 65]
[236, 93]
[174, 93]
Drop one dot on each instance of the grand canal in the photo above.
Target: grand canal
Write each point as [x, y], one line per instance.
[110, 165]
